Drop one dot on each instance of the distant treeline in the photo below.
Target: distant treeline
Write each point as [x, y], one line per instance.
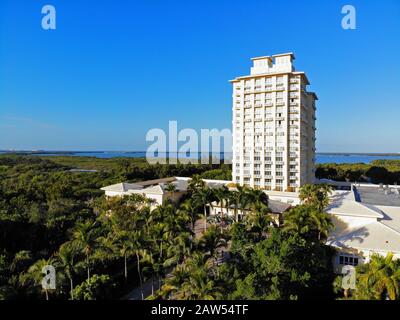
[39, 194]
[378, 171]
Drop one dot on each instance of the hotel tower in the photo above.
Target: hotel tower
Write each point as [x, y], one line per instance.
[273, 126]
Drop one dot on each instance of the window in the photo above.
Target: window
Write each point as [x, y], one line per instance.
[348, 260]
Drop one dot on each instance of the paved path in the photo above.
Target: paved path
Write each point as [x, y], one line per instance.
[136, 293]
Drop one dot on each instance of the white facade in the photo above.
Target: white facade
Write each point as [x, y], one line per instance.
[361, 230]
[157, 189]
[152, 189]
[273, 126]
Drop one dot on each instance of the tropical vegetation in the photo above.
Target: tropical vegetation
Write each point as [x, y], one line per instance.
[126, 247]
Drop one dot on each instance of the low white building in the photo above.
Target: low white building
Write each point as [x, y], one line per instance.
[277, 208]
[366, 221]
[157, 190]
[366, 218]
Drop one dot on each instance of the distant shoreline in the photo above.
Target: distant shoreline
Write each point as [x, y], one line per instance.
[60, 152]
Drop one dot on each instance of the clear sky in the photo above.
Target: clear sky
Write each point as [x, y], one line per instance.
[112, 70]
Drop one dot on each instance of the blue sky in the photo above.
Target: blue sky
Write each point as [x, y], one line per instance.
[112, 70]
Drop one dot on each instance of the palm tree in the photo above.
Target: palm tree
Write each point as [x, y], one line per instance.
[65, 259]
[121, 242]
[212, 240]
[315, 195]
[243, 199]
[297, 220]
[257, 197]
[170, 187]
[152, 267]
[187, 208]
[135, 245]
[85, 237]
[305, 220]
[259, 218]
[222, 195]
[195, 184]
[323, 223]
[202, 197]
[172, 284]
[233, 199]
[36, 274]
[198, 285]
[381, 277]
[307, 193]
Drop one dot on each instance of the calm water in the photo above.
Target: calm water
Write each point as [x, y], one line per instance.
[321, 158]
[352, 158]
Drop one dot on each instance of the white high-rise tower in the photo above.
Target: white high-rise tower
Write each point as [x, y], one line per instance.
[273, 126]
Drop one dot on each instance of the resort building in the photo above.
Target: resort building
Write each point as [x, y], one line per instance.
[276, 208]
[366, 217]
[273, 126]
[157, 190]
[366, 221]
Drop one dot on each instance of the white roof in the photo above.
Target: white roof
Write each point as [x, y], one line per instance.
[157, 189]
[373, 236]
[380, 233]
[391, 217]
[122, 187]
[157, 186]
[342, 204]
